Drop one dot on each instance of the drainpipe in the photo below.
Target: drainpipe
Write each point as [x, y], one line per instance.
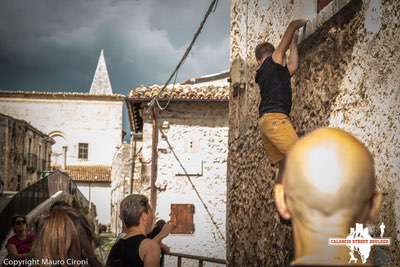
[133, 158]
[65, 148]
[154, 158]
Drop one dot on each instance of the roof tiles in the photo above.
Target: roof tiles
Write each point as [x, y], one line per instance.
[93, 173]
[60, 95]
[182, 92]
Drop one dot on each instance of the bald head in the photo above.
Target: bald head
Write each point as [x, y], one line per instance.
[327, 172]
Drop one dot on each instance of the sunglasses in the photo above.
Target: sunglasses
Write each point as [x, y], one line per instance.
[19, 222]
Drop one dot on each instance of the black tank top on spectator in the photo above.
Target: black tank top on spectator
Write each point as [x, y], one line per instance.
[274, 82]
[125, 252]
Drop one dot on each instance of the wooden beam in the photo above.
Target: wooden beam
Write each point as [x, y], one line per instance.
[133, 157]
[154, 159]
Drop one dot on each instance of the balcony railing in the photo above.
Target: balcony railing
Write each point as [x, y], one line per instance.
[201, 260]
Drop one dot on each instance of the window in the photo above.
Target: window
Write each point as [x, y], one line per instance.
[83, 151]
[30, 146]
[318, 12]
[182, 218]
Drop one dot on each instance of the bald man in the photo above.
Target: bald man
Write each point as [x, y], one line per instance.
[328, 186]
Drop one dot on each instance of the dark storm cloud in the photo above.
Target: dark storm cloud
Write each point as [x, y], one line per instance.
[54, 44]
[180, 24]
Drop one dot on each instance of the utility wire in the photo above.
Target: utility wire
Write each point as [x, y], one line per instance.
[210, 9]
[170, 97]
[193, 186]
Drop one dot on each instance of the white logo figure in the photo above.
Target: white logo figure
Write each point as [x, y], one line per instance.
[362, 249]
[382, 227]
[351, 236]
[359, 240]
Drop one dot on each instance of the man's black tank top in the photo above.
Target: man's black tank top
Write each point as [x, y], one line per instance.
[125, 253]
[275, 89]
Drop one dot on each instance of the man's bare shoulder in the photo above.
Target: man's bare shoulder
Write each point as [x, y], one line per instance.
[149, 252]
[149, 246]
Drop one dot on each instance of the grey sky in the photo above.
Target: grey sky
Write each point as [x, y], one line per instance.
[54, 45]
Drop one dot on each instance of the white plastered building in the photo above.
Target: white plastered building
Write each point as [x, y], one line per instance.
[86, 127]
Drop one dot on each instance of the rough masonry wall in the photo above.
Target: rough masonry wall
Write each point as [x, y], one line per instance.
[256, 237]
[349, 78]
[121, 180]
[120, 174]
[19, 167]
[198, 134]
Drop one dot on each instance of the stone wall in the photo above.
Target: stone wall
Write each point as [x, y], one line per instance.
[25, 153]
[121, 181]
[120, 171]
[349, 78]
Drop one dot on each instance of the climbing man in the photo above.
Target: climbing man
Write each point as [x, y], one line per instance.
[273, 77]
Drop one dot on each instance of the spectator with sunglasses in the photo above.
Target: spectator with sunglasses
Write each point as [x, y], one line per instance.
[20, 244]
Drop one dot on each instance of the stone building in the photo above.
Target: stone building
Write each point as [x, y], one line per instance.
[121, 173]
[348, 77]
[193, 125]
[86, 127]
[25, 153]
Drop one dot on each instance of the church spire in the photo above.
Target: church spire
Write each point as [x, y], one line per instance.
[101, 82]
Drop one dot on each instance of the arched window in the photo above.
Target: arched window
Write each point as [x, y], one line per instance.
[56, 134]
[57, 155]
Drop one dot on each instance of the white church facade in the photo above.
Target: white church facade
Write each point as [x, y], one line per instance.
[86, 127]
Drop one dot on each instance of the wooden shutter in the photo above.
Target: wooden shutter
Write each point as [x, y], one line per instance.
[321, 4]
[182, 217]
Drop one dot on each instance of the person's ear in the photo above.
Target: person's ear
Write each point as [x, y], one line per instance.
[280, 202]
[143, 218]
[376, 203]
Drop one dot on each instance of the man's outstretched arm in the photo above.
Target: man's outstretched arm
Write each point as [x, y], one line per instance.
[293, 61]
[279, 53]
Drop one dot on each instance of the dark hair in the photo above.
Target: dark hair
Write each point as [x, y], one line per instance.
[157, 229]
[264, 50]
[15, 217]
[59, 203]
[132, 208]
